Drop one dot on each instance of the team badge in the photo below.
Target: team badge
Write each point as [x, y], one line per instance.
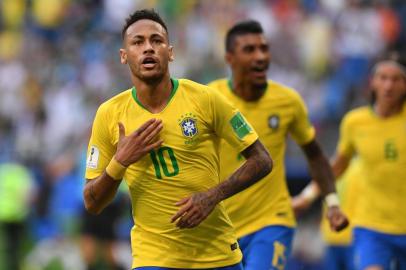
[273, 122]
[188, 124]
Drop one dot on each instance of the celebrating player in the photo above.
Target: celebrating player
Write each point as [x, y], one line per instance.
[162, 136]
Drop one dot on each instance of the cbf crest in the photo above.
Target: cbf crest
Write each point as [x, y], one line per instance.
[188, 125]
[273, 122]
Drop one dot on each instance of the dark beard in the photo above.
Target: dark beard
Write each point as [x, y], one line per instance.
[260, 86]
[149, 80]
[152, 80]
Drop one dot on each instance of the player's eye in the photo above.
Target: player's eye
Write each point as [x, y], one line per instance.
[157, 41]
[384, 77]
[137, 42]
[248, 49]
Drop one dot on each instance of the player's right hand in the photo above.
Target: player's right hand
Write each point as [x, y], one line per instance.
[337, 219]
[133, 147]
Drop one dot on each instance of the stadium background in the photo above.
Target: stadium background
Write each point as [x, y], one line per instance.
[59, 60]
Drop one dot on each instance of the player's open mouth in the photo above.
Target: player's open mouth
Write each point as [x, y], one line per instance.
[149, 62]
[259, 70]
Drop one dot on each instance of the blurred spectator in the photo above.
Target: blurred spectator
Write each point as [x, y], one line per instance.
[16, 196]
[357, 41]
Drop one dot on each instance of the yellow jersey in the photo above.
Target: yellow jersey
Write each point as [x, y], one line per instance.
[194, 121]
[380, 144]
[279, 112]
[348, 191]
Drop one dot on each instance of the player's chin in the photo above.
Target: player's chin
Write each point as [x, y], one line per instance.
[257, 77]
[151, 75]
[259, 83]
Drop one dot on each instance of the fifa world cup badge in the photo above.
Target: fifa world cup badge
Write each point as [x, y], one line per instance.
[93, 157]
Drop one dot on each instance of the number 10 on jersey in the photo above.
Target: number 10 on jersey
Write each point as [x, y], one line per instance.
[160, 165]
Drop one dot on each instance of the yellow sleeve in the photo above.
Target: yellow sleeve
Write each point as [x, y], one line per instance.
[212, 84]
[229, 123]
[345, 146]
[301, 129]
[100, 149]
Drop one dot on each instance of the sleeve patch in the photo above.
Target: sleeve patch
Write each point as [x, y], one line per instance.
[240, 126]
[93, 158]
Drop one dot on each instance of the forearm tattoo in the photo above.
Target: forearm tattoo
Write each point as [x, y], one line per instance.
[258, 165]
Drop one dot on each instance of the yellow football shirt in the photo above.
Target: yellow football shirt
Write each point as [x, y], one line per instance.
[380, 144]
[348, 191]
[279, 112]
[195, 120]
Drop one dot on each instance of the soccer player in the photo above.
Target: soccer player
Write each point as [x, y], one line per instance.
[162, 137]
[376, 134]
[262, 214]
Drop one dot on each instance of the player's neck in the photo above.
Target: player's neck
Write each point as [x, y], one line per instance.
[154, 96]
[247, 91]
[385, 110]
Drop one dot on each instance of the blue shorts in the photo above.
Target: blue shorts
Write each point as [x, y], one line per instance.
[231, 267]
[339, 258]
[266, 249]
[376, 248]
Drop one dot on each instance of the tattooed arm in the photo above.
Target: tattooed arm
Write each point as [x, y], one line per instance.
[99, 192]
[198, 206]
[258, 164]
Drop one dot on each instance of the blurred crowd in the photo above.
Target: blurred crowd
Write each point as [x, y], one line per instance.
[59, 60]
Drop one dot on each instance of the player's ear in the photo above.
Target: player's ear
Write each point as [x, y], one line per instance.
[228, 57]
[123, 56]
[171, 54]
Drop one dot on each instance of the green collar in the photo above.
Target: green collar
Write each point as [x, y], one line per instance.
[230, 85]
[175, 85]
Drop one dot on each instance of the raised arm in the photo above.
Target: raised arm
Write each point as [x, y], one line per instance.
[99, 192]
[198, 206]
